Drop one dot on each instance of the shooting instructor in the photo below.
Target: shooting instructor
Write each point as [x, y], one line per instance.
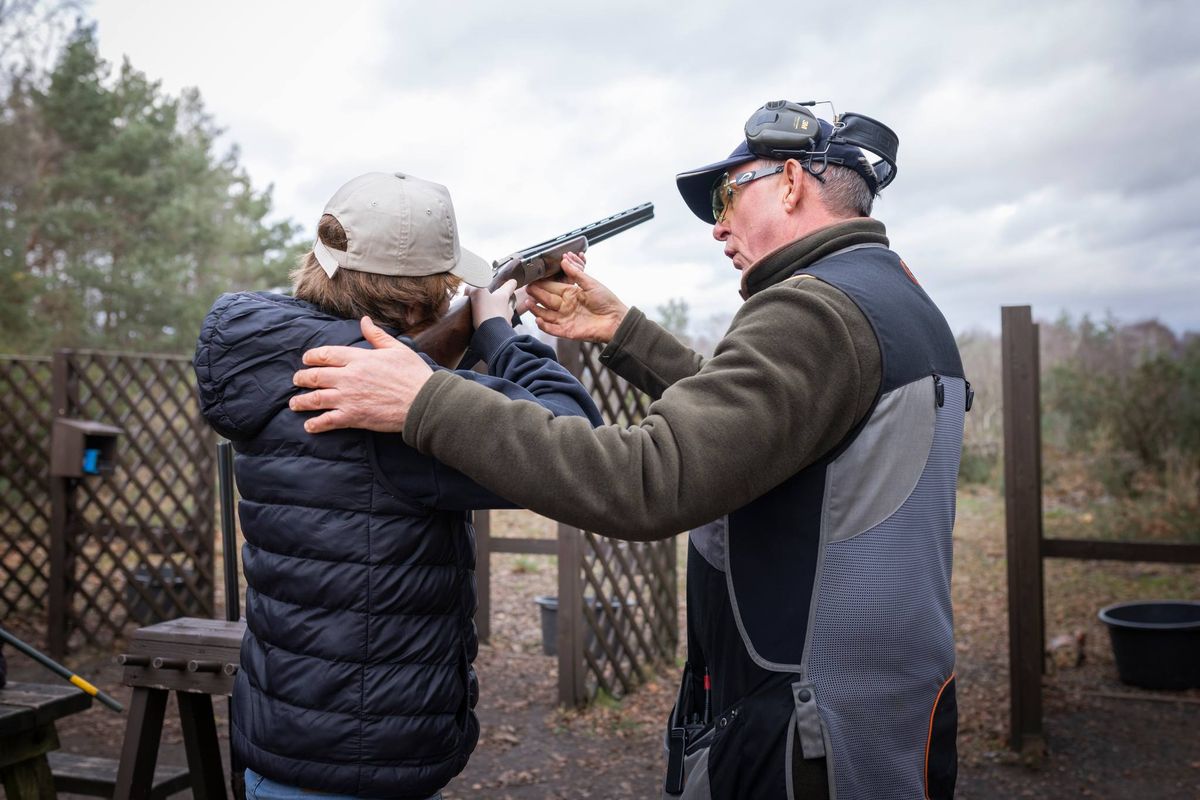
[823, 437]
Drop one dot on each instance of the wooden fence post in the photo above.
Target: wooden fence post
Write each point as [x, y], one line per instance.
[1023, 520]
[571, 626]
[62, 563]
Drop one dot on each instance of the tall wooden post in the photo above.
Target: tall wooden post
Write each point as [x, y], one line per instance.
[570, 620]
[62, 563]
[1023, 518]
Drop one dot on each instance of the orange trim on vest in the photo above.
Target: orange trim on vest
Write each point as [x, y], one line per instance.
[936, 700]
[908, 272]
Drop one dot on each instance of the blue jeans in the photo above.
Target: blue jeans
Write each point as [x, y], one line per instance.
[260, 788]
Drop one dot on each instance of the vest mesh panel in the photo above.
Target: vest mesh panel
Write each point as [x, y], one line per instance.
[882, 643]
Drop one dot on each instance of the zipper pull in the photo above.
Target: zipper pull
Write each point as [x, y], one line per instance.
[970, 396]
[939, 390]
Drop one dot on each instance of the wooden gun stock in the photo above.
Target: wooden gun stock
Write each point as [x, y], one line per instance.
[447, 340]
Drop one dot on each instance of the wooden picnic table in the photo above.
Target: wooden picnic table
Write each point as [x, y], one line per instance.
[28, 712]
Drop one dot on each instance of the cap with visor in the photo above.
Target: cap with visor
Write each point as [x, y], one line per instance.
[398, 225]
[696, 185]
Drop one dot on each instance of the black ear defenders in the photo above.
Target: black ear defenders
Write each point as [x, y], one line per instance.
[782, 129]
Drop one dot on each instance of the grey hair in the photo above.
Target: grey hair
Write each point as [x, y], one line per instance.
[845, 193]
[842, 190]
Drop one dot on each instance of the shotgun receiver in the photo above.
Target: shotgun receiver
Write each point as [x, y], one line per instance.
[446, 340]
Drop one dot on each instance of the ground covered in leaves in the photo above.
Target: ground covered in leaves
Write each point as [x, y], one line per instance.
[1105, 740]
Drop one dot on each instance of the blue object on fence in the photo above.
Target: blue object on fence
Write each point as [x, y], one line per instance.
[91, 461]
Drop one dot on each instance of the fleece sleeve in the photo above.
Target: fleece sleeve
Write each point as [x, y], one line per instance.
[799, 367]
[648, 356]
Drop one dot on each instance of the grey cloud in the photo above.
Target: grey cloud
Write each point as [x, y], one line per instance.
[565, 46]
[1077, 116]
[1046, 148]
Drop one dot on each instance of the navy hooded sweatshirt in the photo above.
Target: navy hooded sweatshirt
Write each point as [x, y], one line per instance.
[356, 670]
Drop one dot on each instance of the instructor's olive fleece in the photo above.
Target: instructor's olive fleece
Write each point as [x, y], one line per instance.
[797, 370]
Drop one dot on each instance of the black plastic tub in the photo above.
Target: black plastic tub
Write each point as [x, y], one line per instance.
[1156, 642]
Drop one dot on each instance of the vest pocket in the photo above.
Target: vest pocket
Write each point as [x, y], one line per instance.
[723, 766]
[748, 757]
[941, 751]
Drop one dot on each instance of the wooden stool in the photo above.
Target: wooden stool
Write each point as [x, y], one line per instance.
[195, 658]
[27, 733]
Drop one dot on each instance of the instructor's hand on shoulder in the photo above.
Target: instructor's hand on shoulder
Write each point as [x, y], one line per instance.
[358, 388]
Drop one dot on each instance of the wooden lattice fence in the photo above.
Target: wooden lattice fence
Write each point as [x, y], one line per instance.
[617, 613]
[24, 484]
[105, 552]
[618, 616]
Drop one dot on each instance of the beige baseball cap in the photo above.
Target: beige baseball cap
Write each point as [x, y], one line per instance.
[398, 225]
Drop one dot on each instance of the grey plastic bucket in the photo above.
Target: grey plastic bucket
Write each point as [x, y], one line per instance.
[549, 611]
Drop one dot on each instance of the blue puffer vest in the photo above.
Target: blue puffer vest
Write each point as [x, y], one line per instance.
[355, 670]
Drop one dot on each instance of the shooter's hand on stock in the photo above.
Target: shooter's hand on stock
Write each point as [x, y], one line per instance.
[485, 305]
[582, 309]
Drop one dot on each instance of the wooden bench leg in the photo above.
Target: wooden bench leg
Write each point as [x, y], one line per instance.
[29, 780]
[200, 740]
[24, 770]
[139, 753]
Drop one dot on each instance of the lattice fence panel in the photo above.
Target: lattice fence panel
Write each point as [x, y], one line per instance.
[630, 588]
[24, 484]
[141, 539]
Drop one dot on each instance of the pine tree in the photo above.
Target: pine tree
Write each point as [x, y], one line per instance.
[126, 224]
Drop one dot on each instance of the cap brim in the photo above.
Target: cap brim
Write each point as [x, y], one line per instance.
[474, 270]
[696, 185]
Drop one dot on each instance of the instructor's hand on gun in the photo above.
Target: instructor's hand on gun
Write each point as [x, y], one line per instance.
[574, 305]
[446, 340]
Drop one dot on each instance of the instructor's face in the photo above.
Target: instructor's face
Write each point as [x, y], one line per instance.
[750, 228]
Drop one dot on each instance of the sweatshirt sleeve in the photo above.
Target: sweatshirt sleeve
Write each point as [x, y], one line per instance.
[520, 368]
[648, 356]
[797, 370]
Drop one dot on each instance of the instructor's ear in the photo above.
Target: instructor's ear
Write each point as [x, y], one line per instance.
[794, 181]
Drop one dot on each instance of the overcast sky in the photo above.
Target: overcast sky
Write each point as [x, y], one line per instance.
[1047, 150]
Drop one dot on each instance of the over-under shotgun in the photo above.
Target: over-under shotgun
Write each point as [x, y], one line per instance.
[446, 340]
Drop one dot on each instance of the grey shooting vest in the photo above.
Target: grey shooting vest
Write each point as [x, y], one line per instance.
[822, 608]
